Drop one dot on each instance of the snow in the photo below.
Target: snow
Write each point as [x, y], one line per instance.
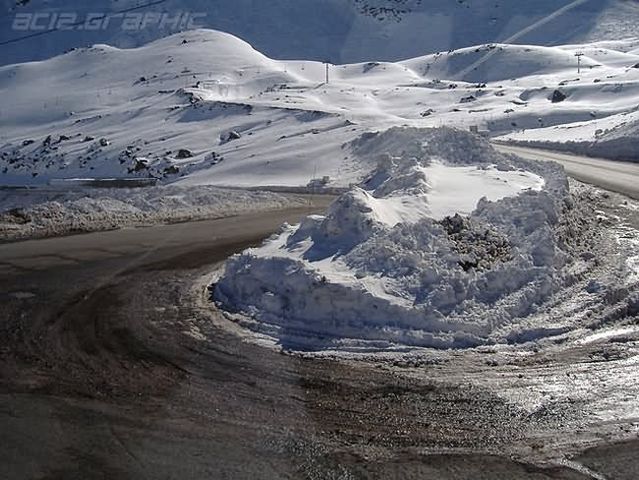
[108, 112]
[368, 275]
[459, 189]
[60, 211]
[615, 137]
[338, 30]
[437, 241]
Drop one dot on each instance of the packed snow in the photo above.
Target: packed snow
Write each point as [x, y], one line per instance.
[375, 272]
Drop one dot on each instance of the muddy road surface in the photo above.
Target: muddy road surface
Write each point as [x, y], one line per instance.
[113, 367]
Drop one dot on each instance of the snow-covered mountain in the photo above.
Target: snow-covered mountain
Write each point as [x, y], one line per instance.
[204, 107]
[340, 31]
[615, 137]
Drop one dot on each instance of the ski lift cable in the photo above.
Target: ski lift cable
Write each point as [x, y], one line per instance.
[76, 24]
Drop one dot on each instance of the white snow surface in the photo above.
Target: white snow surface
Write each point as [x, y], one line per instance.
[615, 137]
[337, 30]
[205, 108]
[48, 212]
[376, 272]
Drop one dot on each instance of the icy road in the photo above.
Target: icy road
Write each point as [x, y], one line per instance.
[621, 177]
[111, 362]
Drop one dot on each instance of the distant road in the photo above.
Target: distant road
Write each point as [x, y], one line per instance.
[185, 243]
[620, 177]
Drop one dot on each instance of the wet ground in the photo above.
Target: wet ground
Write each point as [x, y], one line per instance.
[114, 366]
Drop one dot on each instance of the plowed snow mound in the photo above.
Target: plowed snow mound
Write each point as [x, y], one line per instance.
[380, 269]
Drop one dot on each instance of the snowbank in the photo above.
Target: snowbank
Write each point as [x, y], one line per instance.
[384, 267]
[43, 213]
[615, 137]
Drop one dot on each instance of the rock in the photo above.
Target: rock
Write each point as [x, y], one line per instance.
[172, 170]
[104, 142]
[230, 136]
[214, 158]
[27, 142]
[140, 165]
[88, 138]
[369, 66]
[19, 216]
[635, 65]
[469, 98]
[183, 153]
[558, 96]
[453, 224]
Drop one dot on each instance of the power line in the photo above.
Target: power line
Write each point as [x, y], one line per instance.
[52, 30]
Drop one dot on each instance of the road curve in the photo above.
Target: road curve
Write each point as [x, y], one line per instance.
[149, 244]
[620, 177]
[113, 366]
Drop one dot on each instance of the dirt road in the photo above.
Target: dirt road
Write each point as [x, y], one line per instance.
[112, 368]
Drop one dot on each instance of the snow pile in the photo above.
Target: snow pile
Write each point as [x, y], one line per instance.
[376, 271]
[42, 213]
[615, 137]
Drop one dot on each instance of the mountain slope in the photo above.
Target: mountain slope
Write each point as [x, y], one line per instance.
[204, 107]
[336, 30]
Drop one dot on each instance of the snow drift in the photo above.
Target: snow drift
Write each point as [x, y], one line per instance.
[381, 268]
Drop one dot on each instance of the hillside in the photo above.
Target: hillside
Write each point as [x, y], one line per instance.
[341, 31]
[205, 107]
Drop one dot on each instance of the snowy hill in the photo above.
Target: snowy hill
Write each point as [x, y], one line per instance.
[204, 107]
[615, 137]
[336, 30]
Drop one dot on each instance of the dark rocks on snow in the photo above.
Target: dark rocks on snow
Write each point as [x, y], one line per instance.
[140, 165]
[558, 96]
[214, 158]
[27, 143]
[230, 136]
[369, 66]
[104, 142]
[454, 224]
[183, 153]
[172, 170]
[478, 247]
[18, 215]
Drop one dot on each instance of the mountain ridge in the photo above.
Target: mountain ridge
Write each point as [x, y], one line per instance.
[340, 31]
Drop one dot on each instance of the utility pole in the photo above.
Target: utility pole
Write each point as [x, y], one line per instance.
[579, 55]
